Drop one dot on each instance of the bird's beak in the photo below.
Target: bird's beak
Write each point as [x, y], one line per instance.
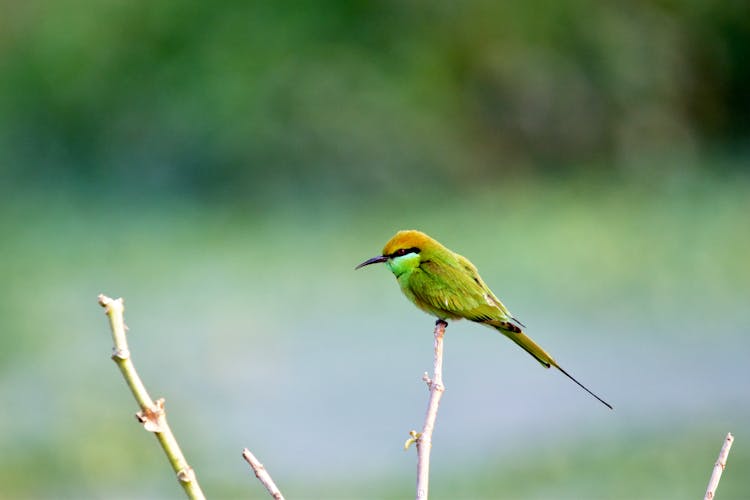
[374, 260]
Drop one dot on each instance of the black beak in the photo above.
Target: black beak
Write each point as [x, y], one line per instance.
[374, 260]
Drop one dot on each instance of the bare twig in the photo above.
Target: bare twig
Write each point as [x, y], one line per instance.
[719, 467]
[262, 474]
[423, 439]
[152, 414]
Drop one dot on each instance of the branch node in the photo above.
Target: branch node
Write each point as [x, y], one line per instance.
[153, 418]
[186, 475]
[121, 353]
[413, 439]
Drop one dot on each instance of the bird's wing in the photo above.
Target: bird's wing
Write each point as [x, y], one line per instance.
[456, 287]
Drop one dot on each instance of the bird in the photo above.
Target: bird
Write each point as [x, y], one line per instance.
[447, 285]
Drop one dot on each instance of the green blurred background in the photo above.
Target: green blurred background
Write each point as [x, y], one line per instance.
[225, 166]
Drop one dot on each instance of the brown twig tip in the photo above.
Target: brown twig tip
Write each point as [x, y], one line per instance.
[262, 474]
[108, 302]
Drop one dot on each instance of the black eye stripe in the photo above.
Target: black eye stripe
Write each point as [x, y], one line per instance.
[404, 251]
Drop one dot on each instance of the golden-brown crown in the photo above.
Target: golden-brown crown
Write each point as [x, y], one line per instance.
[409, 239]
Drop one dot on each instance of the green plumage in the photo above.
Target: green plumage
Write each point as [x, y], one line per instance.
[448, 286]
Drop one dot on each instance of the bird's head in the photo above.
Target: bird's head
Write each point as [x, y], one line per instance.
[404, 251]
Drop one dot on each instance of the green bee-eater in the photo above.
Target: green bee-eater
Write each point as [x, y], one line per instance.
[448, 286]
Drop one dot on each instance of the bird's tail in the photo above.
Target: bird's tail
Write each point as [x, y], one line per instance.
[514, 333]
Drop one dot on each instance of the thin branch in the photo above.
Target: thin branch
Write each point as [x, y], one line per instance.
[719, 467]
[262, 474]
[423, 440]
[152, 414]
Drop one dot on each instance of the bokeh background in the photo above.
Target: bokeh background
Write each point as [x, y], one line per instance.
[224, 166]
